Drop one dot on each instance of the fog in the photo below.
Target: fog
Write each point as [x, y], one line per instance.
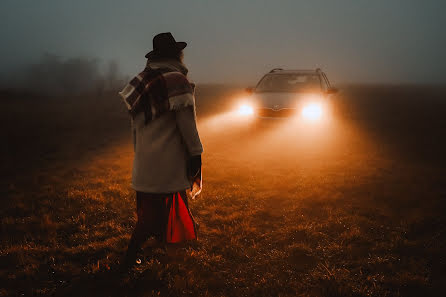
[54, 75]
[235, 41]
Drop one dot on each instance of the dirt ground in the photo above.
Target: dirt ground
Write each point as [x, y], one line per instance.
[350, 206]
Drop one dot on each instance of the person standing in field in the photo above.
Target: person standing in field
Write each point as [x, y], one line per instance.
[167, 160]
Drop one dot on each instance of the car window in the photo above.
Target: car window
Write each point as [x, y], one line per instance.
[289, 83]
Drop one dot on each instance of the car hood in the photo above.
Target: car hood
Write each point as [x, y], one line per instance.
[280, 100]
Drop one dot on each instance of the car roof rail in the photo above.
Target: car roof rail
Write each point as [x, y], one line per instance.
[275, 70]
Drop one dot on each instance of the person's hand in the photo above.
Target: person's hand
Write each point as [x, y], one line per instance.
[194, 167]
[194, 175]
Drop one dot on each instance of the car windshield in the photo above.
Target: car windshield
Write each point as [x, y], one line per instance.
[300, 82]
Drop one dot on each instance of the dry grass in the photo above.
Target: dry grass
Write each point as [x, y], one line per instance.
[341, 210]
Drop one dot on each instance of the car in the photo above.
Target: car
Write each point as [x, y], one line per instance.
[289, 93]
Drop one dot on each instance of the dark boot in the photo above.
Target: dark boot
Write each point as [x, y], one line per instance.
[130, 259]
[131, 256]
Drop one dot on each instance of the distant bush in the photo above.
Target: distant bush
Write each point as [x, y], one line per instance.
[53, 75]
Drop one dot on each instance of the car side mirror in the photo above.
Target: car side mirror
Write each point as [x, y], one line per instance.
[332, 90]
[249, 90]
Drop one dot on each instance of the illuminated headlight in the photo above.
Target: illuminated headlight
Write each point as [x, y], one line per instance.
[312, 111]
[246, 110]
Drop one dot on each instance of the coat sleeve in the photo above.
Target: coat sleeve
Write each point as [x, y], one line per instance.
[186, 123]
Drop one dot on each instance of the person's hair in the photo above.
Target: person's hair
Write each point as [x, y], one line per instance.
[167, 55]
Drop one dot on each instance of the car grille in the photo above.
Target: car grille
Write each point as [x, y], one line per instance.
[271, 113]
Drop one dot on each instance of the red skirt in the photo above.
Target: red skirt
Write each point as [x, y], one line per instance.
[165, 216]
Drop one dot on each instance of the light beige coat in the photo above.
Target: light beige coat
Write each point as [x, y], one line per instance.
[163, 147]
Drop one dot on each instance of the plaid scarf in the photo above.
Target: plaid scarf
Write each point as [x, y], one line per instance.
[159, 88]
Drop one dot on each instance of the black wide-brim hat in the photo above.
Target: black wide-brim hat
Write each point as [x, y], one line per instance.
[165, 43]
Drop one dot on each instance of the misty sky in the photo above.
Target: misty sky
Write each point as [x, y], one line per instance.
[237, 41]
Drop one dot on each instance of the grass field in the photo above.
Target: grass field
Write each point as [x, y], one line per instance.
[354, 206]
